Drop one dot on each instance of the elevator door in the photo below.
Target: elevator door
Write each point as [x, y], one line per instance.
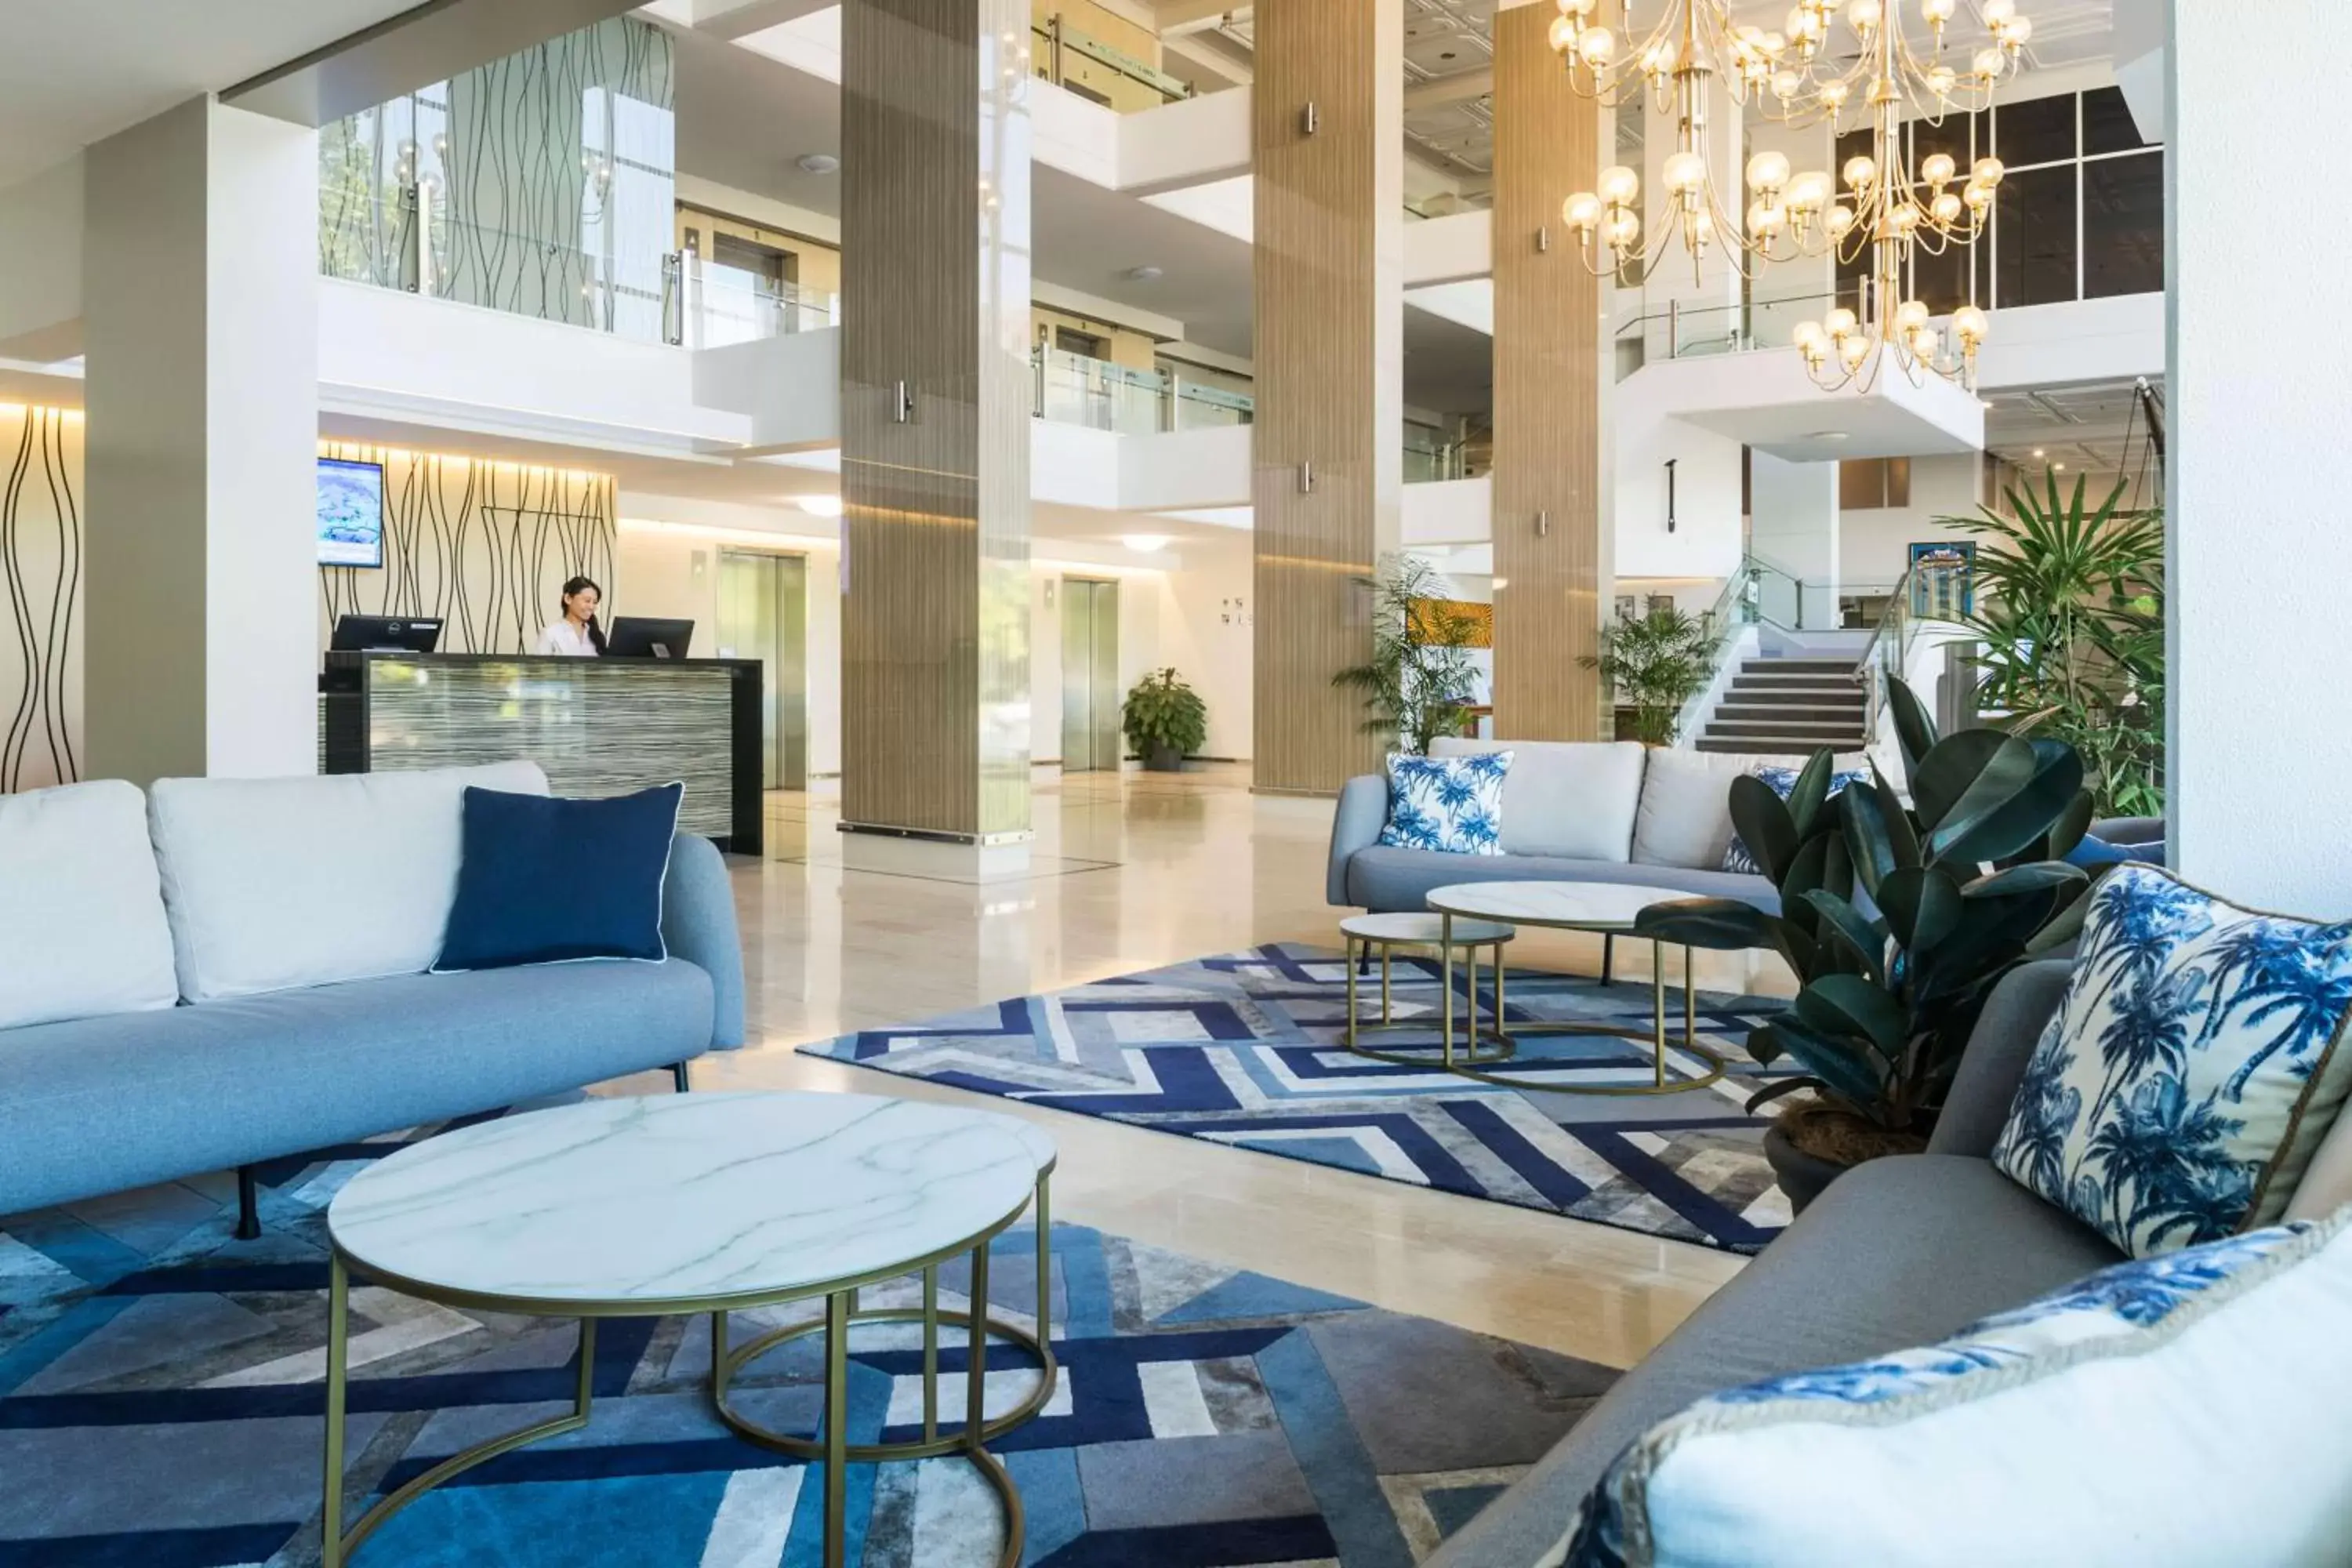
[1090, 694]
[763, 615]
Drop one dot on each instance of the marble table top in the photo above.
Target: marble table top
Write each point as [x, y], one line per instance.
[1582, 906]
[1415, 928]
[672, 1202]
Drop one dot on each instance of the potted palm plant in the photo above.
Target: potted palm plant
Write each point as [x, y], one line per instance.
[1420, 678]
[1165, 720]
[1898, 920]
[1655, 663]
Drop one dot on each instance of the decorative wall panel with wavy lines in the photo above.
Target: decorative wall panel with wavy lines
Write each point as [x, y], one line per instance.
[40, 588]
[485, 546]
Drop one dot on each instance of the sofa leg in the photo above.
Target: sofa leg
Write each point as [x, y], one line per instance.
[249, 1205]
[1608, 958]
[678, 1077]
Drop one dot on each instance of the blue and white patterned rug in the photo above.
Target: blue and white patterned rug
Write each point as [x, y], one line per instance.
[1244, 1050]
[160, 1407]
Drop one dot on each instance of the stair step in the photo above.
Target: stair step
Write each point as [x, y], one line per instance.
[1819, 734]
[1738, 710]
[1762, 746]
[1808, 689]
[1800, 666]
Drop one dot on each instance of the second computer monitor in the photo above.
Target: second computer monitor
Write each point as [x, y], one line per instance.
[648, 637]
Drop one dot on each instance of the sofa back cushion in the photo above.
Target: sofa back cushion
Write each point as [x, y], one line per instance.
[83, 932]
[1685, 811]
[278, 883]
[1572, 799]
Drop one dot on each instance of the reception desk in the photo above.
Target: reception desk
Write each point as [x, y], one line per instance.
[597, 726]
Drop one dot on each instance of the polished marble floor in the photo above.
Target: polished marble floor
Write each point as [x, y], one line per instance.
[1130, 872]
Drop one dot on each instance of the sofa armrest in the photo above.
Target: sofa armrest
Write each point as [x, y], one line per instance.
[2129, 829]
[698, 926]
[1356, 825]
[2006, 1033]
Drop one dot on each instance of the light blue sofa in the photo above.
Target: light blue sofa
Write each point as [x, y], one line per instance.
[91, 1105]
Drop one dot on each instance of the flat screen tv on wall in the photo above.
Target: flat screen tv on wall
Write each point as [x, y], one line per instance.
[350, 512]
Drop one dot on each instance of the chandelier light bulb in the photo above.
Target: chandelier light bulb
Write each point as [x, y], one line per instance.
[1926, 346]
[1988, 171]
[1938, 168]
[1563, 34]
[1833, 95]
[1619, 186]
[1904, 219]
[1852, 351]
[1809, 337]
[1767, 220]
[2017, 32]
[1841, 220]
[1597, 47]
[1911, 315]
[1978, 194]
[1859, 172]
[1624, 229]
[1809, 192]
[1657, 60]
[1685, 173]
[1970, 325]
[1768, 171]
[1941, 80]
[1998, 12]
[1581, 212]
[1841, 323]
[1989, 64]
[1786, 85]
[1946, 208]
[1863, 14]
[1935, 13]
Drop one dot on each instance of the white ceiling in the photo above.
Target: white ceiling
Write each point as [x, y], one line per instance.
[74, 74]
[2091, 428]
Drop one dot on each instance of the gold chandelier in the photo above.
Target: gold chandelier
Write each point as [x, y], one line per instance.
[1789, 77]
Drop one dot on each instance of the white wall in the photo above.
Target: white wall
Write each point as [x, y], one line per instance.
[1705, 540]
[1794, 524]
[2258, 748]
[40, 265]
[1873, 543]
[1206, 629]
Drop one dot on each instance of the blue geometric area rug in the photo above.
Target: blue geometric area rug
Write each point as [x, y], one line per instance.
[161, 1406]
[1244, 1049]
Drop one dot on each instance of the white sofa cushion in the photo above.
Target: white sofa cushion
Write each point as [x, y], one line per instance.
[81, 930]
[2179, 1410]
[1573, 799]
[278, 883]
[1685, 812]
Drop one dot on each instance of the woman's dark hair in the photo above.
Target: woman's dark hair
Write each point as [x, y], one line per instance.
[581, 585]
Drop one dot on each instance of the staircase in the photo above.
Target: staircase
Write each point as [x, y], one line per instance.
[1790, 705]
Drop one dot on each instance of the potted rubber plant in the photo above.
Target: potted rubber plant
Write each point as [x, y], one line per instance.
[1165, 720]
[1898, 919]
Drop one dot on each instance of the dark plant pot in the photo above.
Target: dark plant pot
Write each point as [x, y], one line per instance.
[1802, 1175]
[1164, 759]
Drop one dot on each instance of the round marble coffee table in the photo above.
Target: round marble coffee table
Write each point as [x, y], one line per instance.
[1390, 931]
[1607, 909]
[676, 1203]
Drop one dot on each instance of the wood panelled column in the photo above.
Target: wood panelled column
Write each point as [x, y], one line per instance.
[1550, 560]
[1327, 145]
[935, 137]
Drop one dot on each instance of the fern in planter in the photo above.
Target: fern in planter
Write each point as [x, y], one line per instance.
[1655, 663]
[1165, 720]
[1898, 920]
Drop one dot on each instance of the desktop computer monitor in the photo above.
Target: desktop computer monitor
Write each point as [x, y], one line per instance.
[645, 637]
[386, 634]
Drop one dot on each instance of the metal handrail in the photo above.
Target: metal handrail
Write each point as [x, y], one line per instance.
[1893, 631]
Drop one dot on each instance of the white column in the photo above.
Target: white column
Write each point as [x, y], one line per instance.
[200, 281]
[2259, 761]
[1794, 525]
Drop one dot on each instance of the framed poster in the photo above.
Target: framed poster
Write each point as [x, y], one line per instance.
[1943, 579]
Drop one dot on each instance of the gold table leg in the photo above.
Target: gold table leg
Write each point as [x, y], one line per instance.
[836, 1425]
[1351, 990]
[1445, 940]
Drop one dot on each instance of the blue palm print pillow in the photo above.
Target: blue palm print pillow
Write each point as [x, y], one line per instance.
[2191, 1070]
[1784, 784]
[1451, 804]
[2091, 1412]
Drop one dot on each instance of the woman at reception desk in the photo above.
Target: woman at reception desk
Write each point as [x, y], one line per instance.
[575, 633]
[643, 715]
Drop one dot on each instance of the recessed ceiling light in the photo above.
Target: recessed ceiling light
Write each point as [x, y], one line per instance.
[1145, 543]
[822, 506]
[2037, 452]
[1143, 274]
[819, 163]
[2057, 468]
[1826, 436]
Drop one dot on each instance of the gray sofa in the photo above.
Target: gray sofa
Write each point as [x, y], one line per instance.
[1896, 1253]
[94, 1104]
[1572, 811]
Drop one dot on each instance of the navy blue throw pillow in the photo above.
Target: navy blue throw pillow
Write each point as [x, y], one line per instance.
[545, 880]
[2096, 854]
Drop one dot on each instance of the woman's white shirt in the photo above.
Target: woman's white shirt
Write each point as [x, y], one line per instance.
[565, 640]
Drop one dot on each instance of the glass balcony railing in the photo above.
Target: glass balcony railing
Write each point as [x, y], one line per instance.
[1073, 389]
[1092, 68]
[719, 306]
[1693, 331]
